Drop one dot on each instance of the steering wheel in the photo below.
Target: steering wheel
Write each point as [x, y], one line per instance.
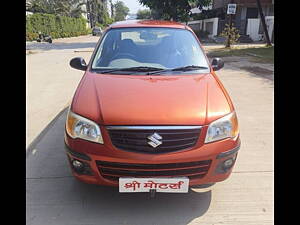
[123, 55]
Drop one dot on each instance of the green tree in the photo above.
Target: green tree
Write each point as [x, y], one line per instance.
[99, 13]
[121, 11]
[111, 8]
[71, 8]
[144, 14]
[174, 9]
[40, 6]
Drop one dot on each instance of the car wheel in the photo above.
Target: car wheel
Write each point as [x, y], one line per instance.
[202, 186]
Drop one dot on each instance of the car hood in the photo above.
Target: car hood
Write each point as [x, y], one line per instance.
[150, 100]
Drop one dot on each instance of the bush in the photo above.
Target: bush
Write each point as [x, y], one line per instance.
[100, 25]
[31, 36]
[231, 34]
[89, 30]
[56, 26]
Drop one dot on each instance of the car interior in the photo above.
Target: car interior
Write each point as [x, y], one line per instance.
[159, 52]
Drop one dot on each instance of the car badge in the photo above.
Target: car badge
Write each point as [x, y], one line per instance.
[154, 140]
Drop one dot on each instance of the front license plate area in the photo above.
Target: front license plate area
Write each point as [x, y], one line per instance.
[172, 185]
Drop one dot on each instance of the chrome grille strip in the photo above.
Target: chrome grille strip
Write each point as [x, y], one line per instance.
[152, 127]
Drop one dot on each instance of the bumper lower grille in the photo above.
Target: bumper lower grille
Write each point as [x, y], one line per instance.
[137, 140]
[113, 171]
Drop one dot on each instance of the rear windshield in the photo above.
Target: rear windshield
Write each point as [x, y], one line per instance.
[153, 47]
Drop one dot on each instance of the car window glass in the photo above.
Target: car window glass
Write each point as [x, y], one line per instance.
[156, 47]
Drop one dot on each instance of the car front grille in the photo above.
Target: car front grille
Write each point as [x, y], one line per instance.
[113, 170]
[173, 138]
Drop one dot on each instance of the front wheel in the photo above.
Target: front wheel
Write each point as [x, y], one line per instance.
[202, 186]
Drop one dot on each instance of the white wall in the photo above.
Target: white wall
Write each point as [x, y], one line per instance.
[215, 26]
[199, 22]
[270, 25]
[253, 27]
[203, 23]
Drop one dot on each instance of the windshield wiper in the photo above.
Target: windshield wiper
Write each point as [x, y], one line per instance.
[184, 68]
[134, 69]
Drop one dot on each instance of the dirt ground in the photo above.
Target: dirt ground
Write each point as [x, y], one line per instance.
[246, 63]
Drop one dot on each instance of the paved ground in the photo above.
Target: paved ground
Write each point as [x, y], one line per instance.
[55, 197]
[50, 80]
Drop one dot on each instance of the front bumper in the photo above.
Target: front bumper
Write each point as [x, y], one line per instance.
[92, 153]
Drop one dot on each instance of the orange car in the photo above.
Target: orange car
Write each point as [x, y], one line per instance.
[150, 112]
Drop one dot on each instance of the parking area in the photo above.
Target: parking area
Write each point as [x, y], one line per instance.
[53, 196]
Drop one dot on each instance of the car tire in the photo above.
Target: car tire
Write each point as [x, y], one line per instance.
[202, 186]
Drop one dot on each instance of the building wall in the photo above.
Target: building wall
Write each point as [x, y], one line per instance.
[255, 29]
[243, 13]
[210, 25]
[220, 3]
[246, 2]
[240, 18]
[249, 3]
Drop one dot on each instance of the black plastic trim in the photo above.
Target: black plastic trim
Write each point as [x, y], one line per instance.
[230, 152]
[77, 154]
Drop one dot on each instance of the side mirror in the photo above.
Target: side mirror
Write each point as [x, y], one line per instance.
[217, 64]
[78, 63]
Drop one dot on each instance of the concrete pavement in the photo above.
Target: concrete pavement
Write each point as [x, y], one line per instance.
[50, 81]
[55, 197]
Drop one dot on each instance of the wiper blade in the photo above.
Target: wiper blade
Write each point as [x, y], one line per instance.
[135, 69]
[184, 68]
[187, 68]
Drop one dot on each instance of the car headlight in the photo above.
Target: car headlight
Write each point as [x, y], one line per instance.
[80, 127]
[225, 127]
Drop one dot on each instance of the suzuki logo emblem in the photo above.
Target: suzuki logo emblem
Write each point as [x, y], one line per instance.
[154, 140]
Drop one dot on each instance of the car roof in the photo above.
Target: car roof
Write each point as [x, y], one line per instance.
[148, 23]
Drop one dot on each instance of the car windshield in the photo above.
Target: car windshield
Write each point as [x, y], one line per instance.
[154, 48]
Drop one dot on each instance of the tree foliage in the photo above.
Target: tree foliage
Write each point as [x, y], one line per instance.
[73, 8]
[144, 14]
[99, 13]
[39, 6]
[70, 8]
[120, 11]
[111, 8]
[174, 9]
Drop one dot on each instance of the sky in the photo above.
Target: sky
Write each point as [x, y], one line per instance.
[133, 5]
